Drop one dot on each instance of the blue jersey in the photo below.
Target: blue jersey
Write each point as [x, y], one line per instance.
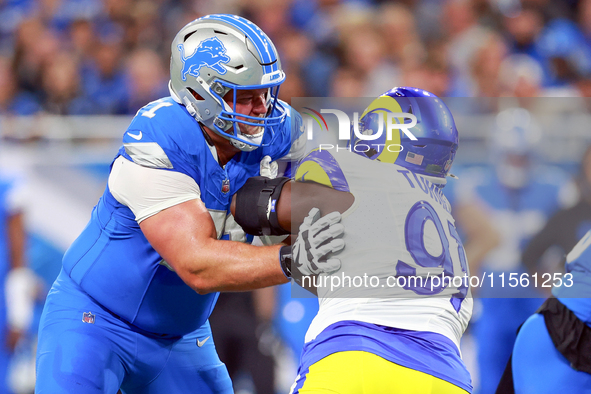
[113, 262]
[517, 214]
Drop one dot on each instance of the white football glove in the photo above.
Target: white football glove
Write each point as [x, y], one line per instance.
[316, 240]
[269, 168]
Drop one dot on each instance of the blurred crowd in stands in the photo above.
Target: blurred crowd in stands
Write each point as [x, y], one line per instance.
[110, 57]
[81, 57]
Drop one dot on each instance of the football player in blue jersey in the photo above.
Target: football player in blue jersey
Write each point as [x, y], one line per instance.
[552, 352]
[376, 337]
[19, 286]
[564, 229]
[129, 309]
[517, 195]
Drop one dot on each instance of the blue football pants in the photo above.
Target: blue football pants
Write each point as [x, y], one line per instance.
[106, 353]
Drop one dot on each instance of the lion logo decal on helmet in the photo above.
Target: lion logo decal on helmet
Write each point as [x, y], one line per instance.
[210, 53]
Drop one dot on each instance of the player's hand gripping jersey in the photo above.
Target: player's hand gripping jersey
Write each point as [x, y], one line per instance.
[113, 262]
[399, 231]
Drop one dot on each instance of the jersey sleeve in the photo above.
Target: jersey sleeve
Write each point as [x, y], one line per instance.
[147, 191]
[164, 136]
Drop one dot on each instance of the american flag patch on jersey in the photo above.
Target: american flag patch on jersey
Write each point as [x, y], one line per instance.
[88, 317]
[413, 158]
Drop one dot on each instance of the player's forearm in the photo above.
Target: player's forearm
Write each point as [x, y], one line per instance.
[231, 266]
[185, 237]
[16, 240]
[296, 200]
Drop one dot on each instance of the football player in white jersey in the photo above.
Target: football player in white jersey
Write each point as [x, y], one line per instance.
[391, 318]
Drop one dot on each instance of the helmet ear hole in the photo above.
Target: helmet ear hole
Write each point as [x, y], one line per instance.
[195, 94]
[189, 35]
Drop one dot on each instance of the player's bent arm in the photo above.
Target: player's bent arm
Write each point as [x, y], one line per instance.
[290, 212]
[296, 200]
[185, 236]
[168, 207]
[300, 197]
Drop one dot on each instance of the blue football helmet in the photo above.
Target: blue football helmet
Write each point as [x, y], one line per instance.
[220, 54]
[513, 146]
[433, 151]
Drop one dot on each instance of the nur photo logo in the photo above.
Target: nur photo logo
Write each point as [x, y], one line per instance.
[393, 121]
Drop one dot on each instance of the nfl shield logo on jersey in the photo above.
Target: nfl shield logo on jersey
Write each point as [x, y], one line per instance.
[88, 317]
[226, 186]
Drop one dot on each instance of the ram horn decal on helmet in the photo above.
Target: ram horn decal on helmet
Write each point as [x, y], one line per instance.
[433, 151]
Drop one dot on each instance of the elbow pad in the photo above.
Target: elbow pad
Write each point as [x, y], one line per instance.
[262, 218]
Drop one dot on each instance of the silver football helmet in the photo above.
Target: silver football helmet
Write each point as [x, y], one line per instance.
[218, 54]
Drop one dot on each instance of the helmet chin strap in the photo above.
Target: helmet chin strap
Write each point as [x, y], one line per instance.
[440, 182]
[244, 146]
[252, 136]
